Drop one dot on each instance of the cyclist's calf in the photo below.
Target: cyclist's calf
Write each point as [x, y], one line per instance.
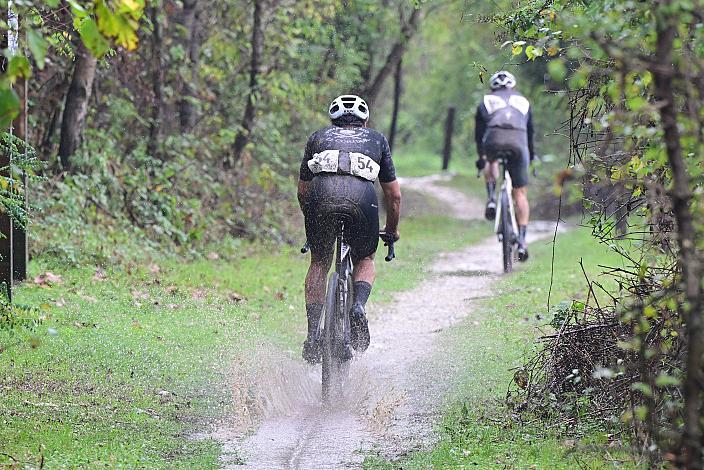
[316, 277]
[520, 198]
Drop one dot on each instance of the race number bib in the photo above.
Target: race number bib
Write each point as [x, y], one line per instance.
[363, 166]
[324, 162]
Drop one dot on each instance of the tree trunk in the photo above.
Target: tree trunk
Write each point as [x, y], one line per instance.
[157, 82]
[688, 257]
[243, 136]
[76, 107]
[408, 29]
[397, 100]
[191, 41]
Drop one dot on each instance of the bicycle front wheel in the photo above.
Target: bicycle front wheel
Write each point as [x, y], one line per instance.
[329, 368]
[507, 235]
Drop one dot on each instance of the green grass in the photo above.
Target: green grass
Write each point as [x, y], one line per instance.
[422, 163]
[478, 431]
[123, 370]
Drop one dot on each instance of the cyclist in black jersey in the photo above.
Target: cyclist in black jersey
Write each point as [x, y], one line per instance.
[504, 123]
[337, 174]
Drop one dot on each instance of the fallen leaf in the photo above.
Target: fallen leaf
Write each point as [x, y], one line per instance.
[198, 294]
[154, 268]
[212, 256]
[47, 279]
[171, 290]
[60, 303]
[100, 275]
[279, 295]
[235, 297]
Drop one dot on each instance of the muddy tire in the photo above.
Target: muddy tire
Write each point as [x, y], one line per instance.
[328, 338]
[507, 234]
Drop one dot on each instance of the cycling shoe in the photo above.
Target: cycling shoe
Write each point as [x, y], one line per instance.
[522, 253]
[359, 328]
[312, 352]
[490, 211]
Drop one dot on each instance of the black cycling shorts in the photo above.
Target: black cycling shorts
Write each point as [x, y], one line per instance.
[333, 198]
[515, 142]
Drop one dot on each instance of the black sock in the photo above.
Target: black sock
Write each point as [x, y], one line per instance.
[313, 311]
[490, 188]
[362, 289]
[522, 233]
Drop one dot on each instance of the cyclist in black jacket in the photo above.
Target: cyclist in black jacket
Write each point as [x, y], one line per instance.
[504, 122]
[337, 174]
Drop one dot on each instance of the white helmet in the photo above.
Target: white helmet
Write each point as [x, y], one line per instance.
[349, 104]
[502, 79]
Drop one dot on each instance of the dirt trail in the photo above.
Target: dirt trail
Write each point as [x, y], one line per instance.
[397, 391]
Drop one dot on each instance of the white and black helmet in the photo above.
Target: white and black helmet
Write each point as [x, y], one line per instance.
[349, 104]
[502, 79]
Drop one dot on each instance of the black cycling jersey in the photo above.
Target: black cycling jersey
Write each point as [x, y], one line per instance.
[364, 140]
[500, 119]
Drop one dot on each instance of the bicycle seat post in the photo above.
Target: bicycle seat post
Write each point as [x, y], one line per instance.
[338, 247]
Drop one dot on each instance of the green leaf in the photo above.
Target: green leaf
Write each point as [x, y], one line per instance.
[557, 69]
[37, 46]
[18, 67]
[94, 41]
[643, 388]
[9, 106]
[664, 380]
[637, 103]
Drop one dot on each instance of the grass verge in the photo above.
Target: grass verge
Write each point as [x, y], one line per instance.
[477, 430]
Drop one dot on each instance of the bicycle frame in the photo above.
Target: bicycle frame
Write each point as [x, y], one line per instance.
[507, 186]
[344, 269]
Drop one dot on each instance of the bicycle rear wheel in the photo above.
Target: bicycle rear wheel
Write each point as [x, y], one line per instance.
[507, 234]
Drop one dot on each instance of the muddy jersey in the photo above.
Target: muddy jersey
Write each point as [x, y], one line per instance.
[362, 140]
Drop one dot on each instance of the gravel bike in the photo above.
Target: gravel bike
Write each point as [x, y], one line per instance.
[505, 225]
[334, 326]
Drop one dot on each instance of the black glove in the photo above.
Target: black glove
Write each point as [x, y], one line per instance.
[481, 163]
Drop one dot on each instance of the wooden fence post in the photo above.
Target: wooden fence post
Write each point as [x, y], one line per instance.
[447, 148]
[20, 255]
[6, 225]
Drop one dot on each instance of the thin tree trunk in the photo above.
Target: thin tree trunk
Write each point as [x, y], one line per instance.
[247, 125]
[191, 29]
[689, 261]
[397, 100]
[408, 29]
[157, 82]
[76, 107]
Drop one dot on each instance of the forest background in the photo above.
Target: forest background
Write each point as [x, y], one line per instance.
[167, 127]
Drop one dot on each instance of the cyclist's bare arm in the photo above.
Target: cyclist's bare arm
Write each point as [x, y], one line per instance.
[303, 187]
[392, 203]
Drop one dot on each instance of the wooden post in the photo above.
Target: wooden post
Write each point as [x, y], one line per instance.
[6, 229]
[447, 149]
[20, 255]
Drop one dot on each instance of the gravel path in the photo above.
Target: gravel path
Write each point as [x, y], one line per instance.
[396, 391]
